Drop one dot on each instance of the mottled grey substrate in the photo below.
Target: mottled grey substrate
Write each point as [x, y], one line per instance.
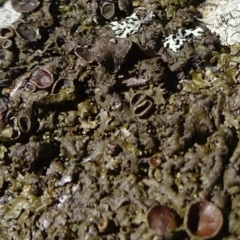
[7, 14]
[223, 17]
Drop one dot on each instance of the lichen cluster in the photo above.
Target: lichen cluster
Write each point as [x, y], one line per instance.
[97, 129]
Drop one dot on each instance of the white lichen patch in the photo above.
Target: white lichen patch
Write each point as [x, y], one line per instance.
[132, 23]
[175, 41]
[223, 18]
[8, 15]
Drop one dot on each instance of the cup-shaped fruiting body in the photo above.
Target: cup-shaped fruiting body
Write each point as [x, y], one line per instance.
[7, 44]
[154, 161]
[85, 53]
[61, 83]
[16, 133]
[125, 229]
[143, 109]
[141, 105]
[108, 10]
[161, 219]
[28, 31]
[24, 123]
[137, 99]
[203, 220]
[6, 58]
[6, 32]
[25, 6]
[103, 224]
[42, 78]
[30, 87]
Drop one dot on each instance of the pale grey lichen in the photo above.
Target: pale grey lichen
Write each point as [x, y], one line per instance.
[132, 23]
[175, 41]
[223, 18]
[8, 15]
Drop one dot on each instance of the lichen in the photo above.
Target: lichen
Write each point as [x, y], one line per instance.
[223, 18]
[175, 41]
[132, 23]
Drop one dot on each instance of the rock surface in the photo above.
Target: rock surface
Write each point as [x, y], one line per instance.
[8, 15]
[223, 17]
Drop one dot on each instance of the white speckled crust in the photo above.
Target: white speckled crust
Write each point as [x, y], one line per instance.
[223, 17]
[8, 15]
